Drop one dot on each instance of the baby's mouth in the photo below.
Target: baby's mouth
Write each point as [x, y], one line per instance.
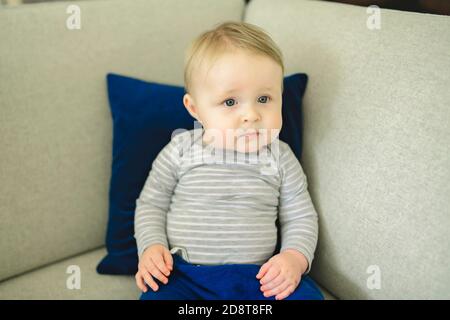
[250, 134]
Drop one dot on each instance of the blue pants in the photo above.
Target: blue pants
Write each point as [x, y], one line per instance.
[221, 282]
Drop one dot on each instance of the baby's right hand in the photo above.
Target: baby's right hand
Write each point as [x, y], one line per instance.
[156, 261]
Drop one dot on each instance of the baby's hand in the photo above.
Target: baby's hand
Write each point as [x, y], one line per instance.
[156, 261]
[281, 274]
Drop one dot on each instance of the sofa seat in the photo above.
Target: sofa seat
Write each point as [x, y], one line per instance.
[49, 282]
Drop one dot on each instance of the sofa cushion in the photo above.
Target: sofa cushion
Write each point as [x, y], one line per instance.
[145, 114]
[376, 143]
[50, 282]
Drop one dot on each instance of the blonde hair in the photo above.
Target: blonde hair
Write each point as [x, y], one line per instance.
[226, 37]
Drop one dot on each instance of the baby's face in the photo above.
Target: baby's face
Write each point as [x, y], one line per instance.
[241, 93]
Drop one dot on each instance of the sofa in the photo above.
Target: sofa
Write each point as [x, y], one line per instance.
[375, 145]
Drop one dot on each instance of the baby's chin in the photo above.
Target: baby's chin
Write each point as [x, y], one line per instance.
[249, 145]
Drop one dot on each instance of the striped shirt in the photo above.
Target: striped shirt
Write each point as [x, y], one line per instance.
[216, 206]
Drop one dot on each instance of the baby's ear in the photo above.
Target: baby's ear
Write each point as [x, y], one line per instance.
[187, 100]
[189, 104]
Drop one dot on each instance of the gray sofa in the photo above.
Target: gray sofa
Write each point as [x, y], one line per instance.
[376, 137]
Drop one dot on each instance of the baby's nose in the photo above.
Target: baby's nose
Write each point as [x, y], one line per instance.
[251, 115]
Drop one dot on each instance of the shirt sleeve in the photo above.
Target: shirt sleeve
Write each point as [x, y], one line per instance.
[297, 215]
[154, 200]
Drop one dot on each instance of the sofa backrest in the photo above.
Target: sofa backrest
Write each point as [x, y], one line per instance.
[376, 143]
[55, 123]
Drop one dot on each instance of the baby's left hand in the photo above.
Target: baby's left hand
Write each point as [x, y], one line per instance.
[281, 274]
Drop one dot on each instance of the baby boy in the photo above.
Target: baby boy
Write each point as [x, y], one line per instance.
[211, 212]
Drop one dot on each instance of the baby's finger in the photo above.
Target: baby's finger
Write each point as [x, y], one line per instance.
[274, 283]
[149, 280]
[168, 259]
[154, 271]
[263, 270]
[285, 293]
[140, 282]
[159, 262]
[270, 275]
[277, 290]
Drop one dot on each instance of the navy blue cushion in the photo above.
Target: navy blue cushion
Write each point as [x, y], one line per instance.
[144, 116]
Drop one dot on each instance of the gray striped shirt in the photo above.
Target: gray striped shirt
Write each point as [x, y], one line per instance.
[220, 206]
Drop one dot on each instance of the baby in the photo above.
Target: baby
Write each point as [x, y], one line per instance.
[197, 210]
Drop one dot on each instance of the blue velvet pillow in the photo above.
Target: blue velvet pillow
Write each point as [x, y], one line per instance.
[144, 116]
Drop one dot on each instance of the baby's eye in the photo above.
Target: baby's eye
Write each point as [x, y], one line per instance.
[264, 100]
[229, 102]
